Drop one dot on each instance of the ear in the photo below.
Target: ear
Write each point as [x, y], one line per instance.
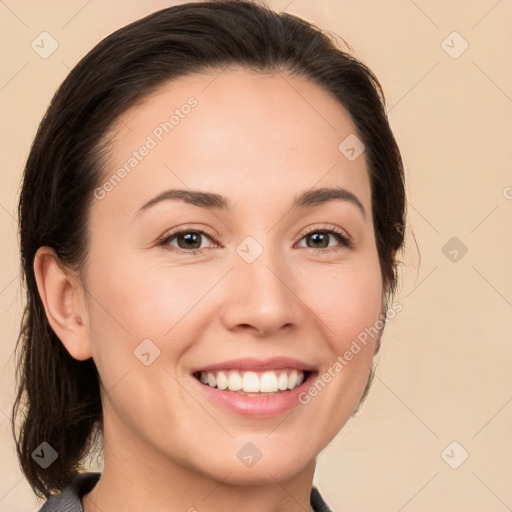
[64, 303]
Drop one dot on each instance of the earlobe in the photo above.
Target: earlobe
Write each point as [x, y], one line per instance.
[64, 303]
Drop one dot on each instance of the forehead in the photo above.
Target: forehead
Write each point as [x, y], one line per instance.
[247, 135]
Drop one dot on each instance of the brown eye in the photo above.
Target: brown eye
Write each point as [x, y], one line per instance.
[189, 240]
[321, 239]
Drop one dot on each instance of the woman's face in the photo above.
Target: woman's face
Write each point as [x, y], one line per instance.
[251, 278]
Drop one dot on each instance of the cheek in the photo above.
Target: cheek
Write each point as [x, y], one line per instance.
[134, 301]
[347, 298]
[142, 296]
[347, 302]
[133, 298]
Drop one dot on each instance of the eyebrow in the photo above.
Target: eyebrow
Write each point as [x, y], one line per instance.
[213, 201]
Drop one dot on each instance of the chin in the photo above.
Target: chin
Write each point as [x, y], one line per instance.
[280, 466]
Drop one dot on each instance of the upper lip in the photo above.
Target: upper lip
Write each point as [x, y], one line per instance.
[254, 364]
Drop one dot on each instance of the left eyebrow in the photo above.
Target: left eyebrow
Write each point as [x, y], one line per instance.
[323, 195]
[212, 201]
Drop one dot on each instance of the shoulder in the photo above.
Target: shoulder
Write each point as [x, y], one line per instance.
[317, 502]
[70, 499]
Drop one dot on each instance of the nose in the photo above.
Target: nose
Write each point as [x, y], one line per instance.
[260, 296]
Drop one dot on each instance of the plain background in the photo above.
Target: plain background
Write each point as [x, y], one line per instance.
[443, 375]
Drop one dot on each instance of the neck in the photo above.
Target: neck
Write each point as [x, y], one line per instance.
[140, 476]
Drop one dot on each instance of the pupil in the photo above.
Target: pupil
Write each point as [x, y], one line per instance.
[190, 237]
[315, 237]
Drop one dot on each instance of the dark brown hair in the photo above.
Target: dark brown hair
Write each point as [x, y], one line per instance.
[62, 403]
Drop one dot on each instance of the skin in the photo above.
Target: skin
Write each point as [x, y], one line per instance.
[259, 140]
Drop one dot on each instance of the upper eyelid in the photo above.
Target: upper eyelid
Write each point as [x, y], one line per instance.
[315, 228]
[187, 229]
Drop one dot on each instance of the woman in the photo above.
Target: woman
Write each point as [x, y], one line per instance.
[209, 221]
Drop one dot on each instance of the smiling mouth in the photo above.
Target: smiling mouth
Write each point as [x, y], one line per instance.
[262, 383]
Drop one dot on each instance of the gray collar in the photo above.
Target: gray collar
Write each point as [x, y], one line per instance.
[70, 499]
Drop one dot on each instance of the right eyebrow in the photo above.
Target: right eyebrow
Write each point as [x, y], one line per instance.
[207, 200]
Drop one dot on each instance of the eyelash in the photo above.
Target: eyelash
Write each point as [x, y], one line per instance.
[345, 240]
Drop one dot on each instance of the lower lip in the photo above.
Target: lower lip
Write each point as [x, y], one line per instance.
[254, 405]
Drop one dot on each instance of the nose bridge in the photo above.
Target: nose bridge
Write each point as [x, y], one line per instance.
[261, 289]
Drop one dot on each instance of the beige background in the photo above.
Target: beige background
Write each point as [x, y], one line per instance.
[444, 370]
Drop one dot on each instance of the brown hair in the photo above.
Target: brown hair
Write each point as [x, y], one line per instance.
[62, 397]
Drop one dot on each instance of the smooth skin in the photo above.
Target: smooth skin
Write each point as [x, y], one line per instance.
[259, 140]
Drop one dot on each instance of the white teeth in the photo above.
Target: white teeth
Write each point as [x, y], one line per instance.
[292, 380]
[234, 381]
[282, 381]
[252, 382]
[268, 382]
[222, 380]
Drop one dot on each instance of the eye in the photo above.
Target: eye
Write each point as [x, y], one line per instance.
[321, 237]
[187, 240]
[190, 240]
